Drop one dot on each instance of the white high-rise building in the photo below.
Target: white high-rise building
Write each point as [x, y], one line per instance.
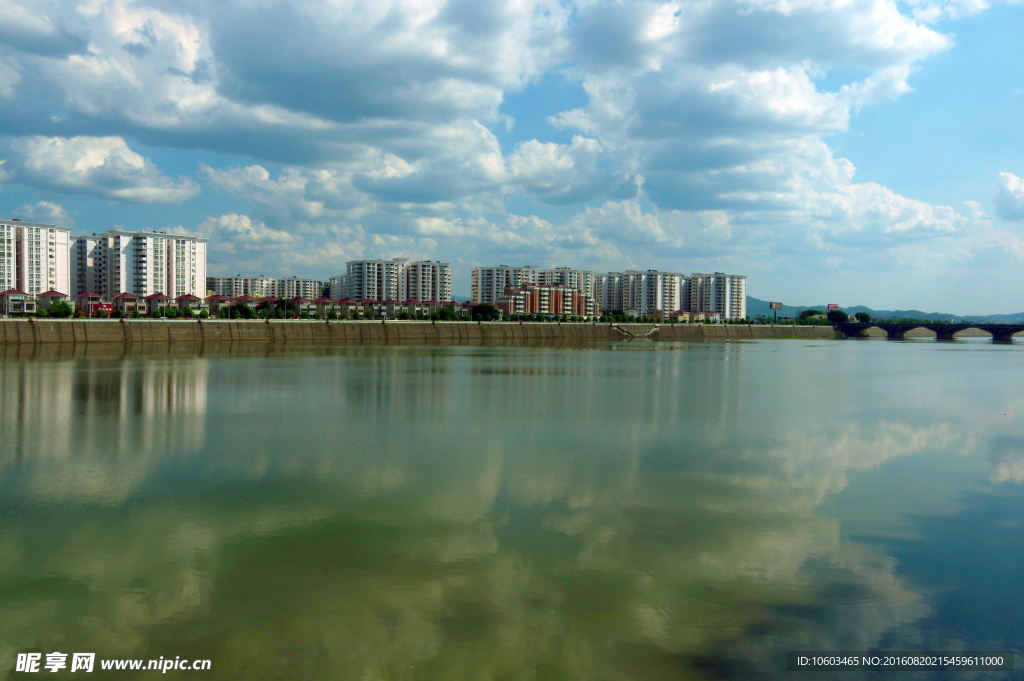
[488, 283]
[337, 287]
[140, 263]
[725, 294]
[374, 279]
[241, 285]
[34, 257]
[261, 286]
[638, 290]
[580, 280]
[425, 281]
[608, 291]
[294, 287]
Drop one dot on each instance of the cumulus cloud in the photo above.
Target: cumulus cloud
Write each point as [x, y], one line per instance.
[46, 212]
[700, 129]
[100, 166]
[1009, 200]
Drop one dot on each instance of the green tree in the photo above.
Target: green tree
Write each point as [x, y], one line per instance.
[838, 317]
[863, 317]
[59, 308]
[807, 314]
[486, 312]
[404, 315]
[447, 314]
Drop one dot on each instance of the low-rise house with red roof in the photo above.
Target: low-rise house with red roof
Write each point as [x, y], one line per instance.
[128, 303]
[155, 303]
[347, 306]
[298, 304]
[391, 309]
[47, 298]
[216, 303]
[14, 302]
[89, 303]
[189, 302]
[323, 307]
[248, 301]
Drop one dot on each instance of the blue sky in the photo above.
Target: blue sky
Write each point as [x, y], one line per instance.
[859, 152]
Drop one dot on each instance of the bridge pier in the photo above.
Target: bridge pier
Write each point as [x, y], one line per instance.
[896, 334]
[1001, 336]
[944, 334]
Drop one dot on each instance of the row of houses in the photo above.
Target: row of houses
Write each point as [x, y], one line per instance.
[14, 302]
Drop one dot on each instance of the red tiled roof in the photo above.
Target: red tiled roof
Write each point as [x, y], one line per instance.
[13, 292]
[188, 296]
[155, 296]
[322, 300]
[344, 300]
[125, 295]
[243, 297]
[390, 301]
[269, 299]
[369, 301]
[408, 302]
[86, 293]
[217, 297]
[298, 299]
[52, 293]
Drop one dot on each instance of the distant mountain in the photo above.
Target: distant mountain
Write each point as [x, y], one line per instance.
[756, 306]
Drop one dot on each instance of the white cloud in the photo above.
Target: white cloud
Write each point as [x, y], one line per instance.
[100, 166]
[1009, 200]
[45, 212]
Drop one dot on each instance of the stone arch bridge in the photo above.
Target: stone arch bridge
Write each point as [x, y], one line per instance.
[943, 331]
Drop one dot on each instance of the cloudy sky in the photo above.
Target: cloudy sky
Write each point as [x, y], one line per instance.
[851, 151]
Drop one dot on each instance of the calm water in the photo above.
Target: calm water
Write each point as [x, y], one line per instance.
[628, 511]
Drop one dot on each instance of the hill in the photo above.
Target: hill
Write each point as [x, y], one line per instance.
[756, 306]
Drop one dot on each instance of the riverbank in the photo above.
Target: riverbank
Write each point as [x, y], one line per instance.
[77, 331]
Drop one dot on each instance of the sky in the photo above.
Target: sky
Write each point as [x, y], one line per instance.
[859, 152]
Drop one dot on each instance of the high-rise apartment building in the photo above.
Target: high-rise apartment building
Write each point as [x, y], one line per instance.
[241, 285]
[34, 257]
[261, 286]
[725, 294]
[373, 279]
[546, 300]
[425, 281]
[638, 290]
[608, 291]
[488, 283]
[581, 280]
[140, 263]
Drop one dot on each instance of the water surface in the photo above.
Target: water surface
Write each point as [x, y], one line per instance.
[620, 511]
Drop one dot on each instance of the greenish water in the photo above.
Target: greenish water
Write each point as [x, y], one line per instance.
[625, 511]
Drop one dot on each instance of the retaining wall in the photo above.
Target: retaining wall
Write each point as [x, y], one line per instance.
[46, 331]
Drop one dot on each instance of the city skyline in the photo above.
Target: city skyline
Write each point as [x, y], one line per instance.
[866, 153]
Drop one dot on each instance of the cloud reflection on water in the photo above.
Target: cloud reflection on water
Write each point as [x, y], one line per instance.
[365, 509]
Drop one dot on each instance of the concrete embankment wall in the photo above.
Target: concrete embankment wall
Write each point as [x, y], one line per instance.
[45, 331]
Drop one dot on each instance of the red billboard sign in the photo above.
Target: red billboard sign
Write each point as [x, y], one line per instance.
[832, 306]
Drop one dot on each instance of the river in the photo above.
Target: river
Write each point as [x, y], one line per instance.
[611, 511]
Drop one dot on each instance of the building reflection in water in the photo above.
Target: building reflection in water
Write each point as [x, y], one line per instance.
[84, 428]
[479, 512]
